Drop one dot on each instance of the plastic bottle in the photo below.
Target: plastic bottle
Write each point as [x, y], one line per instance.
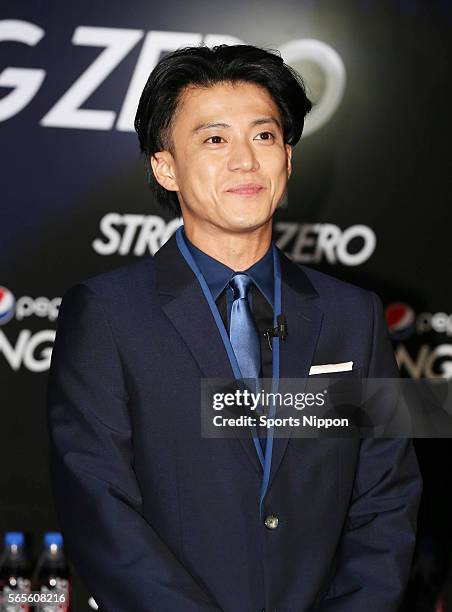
[15, 573]
[52, 576]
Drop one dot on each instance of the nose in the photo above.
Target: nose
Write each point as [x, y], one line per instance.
[242, 156]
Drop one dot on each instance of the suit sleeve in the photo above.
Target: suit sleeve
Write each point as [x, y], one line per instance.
[375, 552]
[119, 555]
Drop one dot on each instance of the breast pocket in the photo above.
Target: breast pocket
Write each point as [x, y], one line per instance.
[320, 370]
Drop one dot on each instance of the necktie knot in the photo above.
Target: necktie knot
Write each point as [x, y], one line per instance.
[241, 284]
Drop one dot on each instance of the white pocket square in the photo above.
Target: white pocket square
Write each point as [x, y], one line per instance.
[327, 368]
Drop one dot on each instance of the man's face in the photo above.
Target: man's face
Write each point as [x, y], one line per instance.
[229, 164]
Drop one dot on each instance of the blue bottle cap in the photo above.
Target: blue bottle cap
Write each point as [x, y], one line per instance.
[14, 537]
[53, 537]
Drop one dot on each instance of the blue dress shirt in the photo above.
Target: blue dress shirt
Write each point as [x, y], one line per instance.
[217, 275]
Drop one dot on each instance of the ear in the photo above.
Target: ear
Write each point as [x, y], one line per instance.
[289, 149]
[163, 167]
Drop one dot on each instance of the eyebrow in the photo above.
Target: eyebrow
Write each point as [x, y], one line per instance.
[219, 124]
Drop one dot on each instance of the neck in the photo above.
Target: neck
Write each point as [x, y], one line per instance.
[236, 250]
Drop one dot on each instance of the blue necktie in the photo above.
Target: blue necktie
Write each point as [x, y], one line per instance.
[243, 332]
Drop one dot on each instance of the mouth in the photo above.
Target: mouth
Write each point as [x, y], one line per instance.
[246, 189]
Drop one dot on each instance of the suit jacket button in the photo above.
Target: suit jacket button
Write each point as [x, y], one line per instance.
[271, 521]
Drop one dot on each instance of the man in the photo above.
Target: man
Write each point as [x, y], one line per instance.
[156, 517]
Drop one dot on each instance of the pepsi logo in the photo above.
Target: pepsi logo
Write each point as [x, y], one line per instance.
[7, 304]
[400, 319]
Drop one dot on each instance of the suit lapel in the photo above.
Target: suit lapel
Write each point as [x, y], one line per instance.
[300, 305]
[185, 305]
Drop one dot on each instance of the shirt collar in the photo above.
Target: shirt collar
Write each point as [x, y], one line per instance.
[217, 274]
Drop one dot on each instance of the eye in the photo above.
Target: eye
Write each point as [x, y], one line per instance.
[212, 139]
[267, 136]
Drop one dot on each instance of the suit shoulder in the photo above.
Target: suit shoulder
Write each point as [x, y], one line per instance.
[128, 278]
[349, 305]
[334, 290]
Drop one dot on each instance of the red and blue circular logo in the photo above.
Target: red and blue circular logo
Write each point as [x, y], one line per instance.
[7, 303]
[400, 319]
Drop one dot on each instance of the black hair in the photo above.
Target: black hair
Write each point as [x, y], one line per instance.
[204, 67]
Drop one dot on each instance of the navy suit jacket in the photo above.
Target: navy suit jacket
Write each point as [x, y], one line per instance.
[157, 518]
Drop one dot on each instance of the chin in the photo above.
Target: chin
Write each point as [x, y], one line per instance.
[245, 219]
[241, 224]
